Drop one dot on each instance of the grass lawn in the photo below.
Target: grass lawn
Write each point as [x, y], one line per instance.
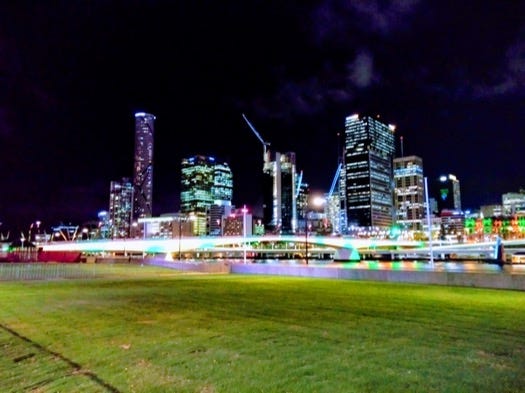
[147, 329]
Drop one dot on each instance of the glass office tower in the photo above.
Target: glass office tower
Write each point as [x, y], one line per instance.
[222, 194]
[447, 193]
[143, 166]
[120, 208]
[369, 151]
[222, 182]
[409, 192]
[203, 183]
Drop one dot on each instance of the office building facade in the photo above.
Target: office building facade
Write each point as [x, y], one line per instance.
[205, 184]
[143, 165]
[222, 191]
[279, 193]
[302, 199]
[120, 214]
[222, 188]
[513, 203]
[409, 192]
[447, 193]
[369, 151]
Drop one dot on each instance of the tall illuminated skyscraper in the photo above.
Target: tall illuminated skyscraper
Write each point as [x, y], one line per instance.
[369, 150]
[279, 193]
[409, 192]
[143, 167]
[222, 191]
[204, 183]
[303, 195]
[279, 189]
[120, 208]
[447, 193]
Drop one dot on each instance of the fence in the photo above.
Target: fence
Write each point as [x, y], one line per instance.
[45, 271]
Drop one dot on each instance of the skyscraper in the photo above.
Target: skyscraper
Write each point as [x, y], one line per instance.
[369, 150]
[143, 167]
[302, 205]
[448, 198]
[447, 193]
[222, 191]
[120, 208]
[335, 201]
[288, 193]
[279, 193]
[279, 189]
[203, 183]
[409, 190]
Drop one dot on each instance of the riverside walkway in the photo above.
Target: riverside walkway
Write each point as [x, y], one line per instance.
[467, 274]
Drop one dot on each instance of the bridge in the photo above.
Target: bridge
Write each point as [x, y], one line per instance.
[286, 246]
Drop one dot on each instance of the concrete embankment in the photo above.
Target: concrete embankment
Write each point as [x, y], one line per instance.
[201, 267]
[498, 279]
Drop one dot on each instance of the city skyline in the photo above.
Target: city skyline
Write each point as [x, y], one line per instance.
[450, 77]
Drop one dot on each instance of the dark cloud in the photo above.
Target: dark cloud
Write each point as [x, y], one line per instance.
[338, 21]
[361, 70]
[511, 78]
[383, 16]
[6, 127]
[6, 77]
[428, 42]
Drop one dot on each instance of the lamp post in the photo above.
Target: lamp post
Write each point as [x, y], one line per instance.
[30, 230]
[180, 235]
[190, 217]
[316, 202]
[306, 236]
[22, 253]
[37, 235]
[429, 223]
[244, 211]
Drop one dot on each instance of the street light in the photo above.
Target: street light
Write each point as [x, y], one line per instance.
[429, 223]
[244, 211]
[306, 235]
[191, 217]
[317, 202]
[30, 230]
[37, 236]
[180, 235]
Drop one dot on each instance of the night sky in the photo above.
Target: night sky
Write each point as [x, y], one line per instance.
[449, 74]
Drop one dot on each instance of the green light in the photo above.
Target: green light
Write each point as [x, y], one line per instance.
[470, 225]
[487, 225]
[521, 223]
[395, 231]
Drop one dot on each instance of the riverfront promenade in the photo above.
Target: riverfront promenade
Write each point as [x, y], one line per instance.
[467, 274]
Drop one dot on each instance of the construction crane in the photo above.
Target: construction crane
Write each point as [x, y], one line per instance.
[299, 183]
[334, 182]
[256, 134]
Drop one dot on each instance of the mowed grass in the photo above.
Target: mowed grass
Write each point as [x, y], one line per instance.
[146, 329]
